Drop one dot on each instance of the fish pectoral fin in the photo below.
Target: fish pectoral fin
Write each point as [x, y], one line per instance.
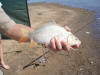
[23, 39]
[33, 44]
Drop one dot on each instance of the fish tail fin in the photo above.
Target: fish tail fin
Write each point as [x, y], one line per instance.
[52, 21]
[33, 44]
[25, 36]
[23, 39]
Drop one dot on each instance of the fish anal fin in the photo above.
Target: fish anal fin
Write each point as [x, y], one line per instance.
[33, 44]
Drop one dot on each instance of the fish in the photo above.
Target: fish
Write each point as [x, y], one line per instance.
[46, 32]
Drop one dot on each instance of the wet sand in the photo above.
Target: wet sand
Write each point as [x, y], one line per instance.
[82, 61]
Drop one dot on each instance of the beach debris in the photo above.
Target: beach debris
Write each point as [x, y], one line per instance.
[81, 69]
[91, 62]
[18, 51]
[46, 32]
[42, 60]
[34, 60]
[36, 65]
[87, 32]
[39, 13]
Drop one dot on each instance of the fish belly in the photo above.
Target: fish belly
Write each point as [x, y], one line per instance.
[46, 33]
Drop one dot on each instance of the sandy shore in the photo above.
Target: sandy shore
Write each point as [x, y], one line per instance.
[82, 61]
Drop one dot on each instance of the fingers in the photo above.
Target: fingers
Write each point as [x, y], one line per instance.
[66, 46]
[67, 28]
[52, 44]
[56, 45]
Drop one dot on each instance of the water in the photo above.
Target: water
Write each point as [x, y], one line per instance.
[88, 4]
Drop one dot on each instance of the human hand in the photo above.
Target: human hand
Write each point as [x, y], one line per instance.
[16, 32]
[56, 45]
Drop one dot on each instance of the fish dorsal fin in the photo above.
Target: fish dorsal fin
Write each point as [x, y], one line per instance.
[52, 21]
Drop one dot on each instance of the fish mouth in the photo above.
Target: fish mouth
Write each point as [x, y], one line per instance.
[75, 46]
[73, 40]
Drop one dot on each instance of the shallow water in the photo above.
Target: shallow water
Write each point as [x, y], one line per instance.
[88, 4]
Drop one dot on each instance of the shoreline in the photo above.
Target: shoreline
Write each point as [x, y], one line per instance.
[58, 4]
[61, 14]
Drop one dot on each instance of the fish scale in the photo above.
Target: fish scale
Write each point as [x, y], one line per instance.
[44, 34]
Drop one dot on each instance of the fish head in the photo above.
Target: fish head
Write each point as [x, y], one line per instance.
[73, 40]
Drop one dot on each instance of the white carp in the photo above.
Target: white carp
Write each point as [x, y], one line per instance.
[46, 32]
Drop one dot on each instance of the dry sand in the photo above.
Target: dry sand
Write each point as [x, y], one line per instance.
[82, 61]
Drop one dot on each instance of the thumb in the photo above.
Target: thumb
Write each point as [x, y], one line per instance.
[67, 28]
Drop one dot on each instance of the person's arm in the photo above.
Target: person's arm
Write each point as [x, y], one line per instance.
[16, 33]
[6, 23]
[11, 29]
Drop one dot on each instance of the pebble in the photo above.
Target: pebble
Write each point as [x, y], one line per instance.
[87, 32]
[42, 60]
[91, 62]
[81, 69]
